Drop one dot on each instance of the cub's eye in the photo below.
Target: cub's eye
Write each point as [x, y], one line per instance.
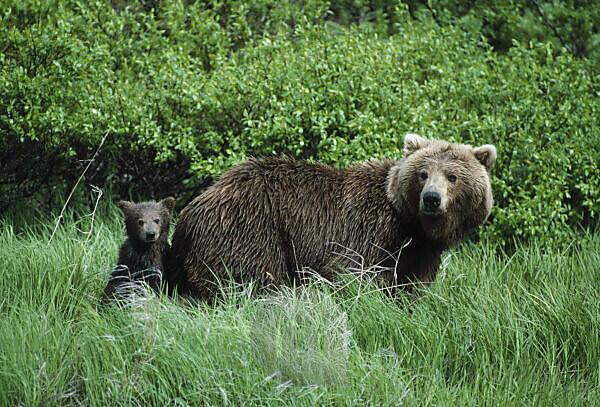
[423, 175]
[157, 221]
[140, 222]
[452, 178]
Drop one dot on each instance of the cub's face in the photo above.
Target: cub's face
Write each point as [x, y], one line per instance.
[445, 185]
[147, 222]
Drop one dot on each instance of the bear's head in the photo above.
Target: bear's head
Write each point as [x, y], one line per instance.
[147, 222]
[445, 186]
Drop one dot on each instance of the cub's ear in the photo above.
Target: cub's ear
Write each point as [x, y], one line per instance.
[168, 203]
[125, 206]
[413, 142]
[486, 154]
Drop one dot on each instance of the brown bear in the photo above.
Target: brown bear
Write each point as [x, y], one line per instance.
[141, 255]
[267, 219]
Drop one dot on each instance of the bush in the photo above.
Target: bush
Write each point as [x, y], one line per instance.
[185, 91]
[570, 24]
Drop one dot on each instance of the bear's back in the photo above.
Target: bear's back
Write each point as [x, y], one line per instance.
[265, 216]
[268, 218]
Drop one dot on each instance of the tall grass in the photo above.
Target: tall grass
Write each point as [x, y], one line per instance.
[494, 329]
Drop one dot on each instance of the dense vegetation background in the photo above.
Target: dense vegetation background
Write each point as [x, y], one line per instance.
[152, 98]
[170, 94]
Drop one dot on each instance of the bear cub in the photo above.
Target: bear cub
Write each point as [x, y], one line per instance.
[141, 255]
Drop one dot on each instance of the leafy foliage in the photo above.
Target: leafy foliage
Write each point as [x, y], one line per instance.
[183, 91]
[570, 24]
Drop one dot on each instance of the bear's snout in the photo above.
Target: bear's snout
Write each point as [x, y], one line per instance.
[431, 201]
[150, 233]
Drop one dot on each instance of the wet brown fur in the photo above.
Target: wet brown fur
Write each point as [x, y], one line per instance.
[266, 219]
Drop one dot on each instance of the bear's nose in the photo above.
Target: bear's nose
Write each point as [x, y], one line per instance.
[431, 200]
[150, 236]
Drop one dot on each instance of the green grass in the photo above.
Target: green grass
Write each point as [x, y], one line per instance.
[494, 329]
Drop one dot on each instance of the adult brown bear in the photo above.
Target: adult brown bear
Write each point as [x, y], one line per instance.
[268, 219]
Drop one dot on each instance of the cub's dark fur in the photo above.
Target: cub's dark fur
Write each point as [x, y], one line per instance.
[141, 255]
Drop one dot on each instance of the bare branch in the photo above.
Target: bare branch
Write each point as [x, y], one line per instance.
[62, 211]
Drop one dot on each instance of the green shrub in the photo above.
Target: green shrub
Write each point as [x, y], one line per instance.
[185, 91]
[570, 24]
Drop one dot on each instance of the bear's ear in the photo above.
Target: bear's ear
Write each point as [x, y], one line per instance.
[486, 155]
[168, 203]
[413, 142]
[126, 207]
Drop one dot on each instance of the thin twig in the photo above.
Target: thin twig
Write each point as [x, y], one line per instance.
[93, 214]
[62, 212]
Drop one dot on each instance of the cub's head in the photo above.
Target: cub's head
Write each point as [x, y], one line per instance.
[445, 186]
[147, 222]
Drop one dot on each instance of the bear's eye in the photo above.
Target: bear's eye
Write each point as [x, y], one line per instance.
[452, 178]
[423, 175]
[140, 222]
[157, 221]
